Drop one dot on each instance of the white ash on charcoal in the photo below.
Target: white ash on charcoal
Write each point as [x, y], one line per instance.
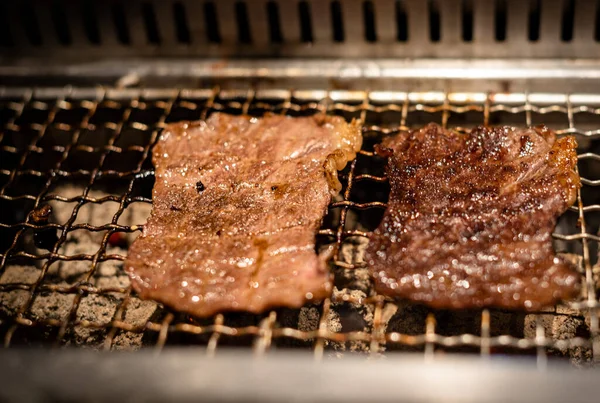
[137, 314]
[563, 323]
[11, 302]
[345, 317]
[562, 326]
[88, 212]
[308, 319]
[51, 305]
[119, 280]
[352, 251]
[95, 309]
[65, 272]
[98, 309]
[348, 313]
[20, 275]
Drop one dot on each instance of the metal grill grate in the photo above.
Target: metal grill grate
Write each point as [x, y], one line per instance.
[88, 149]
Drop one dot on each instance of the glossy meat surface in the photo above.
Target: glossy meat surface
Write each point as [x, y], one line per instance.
[237, 203]
[470, 217]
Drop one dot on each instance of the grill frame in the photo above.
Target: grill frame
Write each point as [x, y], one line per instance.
[362, 103]
[175, 375]
[308, 28]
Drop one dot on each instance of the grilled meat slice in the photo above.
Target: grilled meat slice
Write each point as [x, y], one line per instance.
[469, 219]
[237, 203]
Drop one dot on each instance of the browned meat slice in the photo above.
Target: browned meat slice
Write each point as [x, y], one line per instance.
[470, 217]
[237, 204]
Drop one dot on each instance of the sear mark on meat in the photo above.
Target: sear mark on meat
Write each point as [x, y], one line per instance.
[238, 233]
[470, 217]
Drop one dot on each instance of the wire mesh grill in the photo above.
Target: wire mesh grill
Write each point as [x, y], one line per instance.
[87, 150]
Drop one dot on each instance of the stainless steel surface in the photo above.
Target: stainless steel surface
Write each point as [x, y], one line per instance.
[406, 75]
[348, 28]
[182, 375]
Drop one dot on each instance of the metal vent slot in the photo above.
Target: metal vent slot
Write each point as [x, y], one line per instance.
[90, 23]
[369, 16]
[568, 16]
[181, 26]
[597, 23]
[243, 25]
[61, 24]
[534, 20]
[306, 34]
[500, 20]
[273, 16]
[434, 22]
[6, 39]
[120, 23]
[401, 22]
[337, 22]
[212, 24]
[30, 24]
[467, 20]
[149, 16]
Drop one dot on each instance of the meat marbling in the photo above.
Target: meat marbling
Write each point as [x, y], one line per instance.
[469, 219]
[236, 206]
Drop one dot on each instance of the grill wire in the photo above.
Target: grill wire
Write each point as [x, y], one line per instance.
[111, 132]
